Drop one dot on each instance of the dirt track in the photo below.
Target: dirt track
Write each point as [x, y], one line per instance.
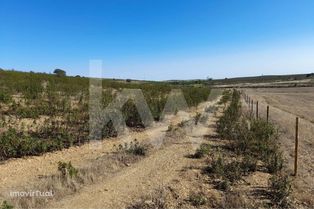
[125, 186]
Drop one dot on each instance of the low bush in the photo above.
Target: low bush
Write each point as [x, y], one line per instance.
[202, 151]
[5, 97]
[131, 115]
[231, 171]
[67, 169]
[197, 118]
[227, 123]
[254, 139]
[226, 96]
[27, 112]
[6, 205]
[197, 199]
[134, 148]
[274, 162]
[223, 185]
[280, 189]
[17, 144]
[249, 164]
[108, 130]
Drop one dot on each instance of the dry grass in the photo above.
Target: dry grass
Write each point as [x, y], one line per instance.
[64, 184]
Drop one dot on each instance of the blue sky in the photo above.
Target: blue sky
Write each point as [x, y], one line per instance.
[159, 39]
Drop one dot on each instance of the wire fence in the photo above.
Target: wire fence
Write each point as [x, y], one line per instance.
[296, 134]
[253, 107]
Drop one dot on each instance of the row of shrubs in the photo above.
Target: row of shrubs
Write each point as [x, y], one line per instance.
[253, 140]
[18, 144]
[250, 136]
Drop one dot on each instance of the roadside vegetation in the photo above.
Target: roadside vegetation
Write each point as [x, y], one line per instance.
[133, 148]
[6, 205]
[252, 140]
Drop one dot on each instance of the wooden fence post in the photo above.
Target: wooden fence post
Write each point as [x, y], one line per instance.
[252, 103]
[267, 114]
[296, 146]
[256, 109]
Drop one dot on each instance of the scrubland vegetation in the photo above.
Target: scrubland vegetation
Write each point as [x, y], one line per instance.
[253, 140]
[43, 112]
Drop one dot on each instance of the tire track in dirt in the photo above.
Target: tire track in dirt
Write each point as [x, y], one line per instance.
[142, 178]
[133, 182]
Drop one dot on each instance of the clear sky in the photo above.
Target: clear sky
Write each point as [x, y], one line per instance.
[159, 39]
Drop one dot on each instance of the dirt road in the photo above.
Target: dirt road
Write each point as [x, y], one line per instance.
[125, 186]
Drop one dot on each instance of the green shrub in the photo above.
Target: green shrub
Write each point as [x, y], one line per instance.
[274, 162]
[226, 124]
[203, 150]
[226, 96]
[197, 118]
[134, 148]
[5, 97]
[231, 171]
[14, 144]
[17, 144]
[195, 95]
[32, 89]
[217, 167]
[27, 112]
[66, 169]
[249, 164]
[131, 115]
[108, 130]
[223, 185]
[280, 185]
[197, 199]
[6, 205]
[262, 130]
